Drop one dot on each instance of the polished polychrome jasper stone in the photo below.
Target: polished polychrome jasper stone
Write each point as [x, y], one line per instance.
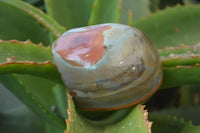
[107, 66]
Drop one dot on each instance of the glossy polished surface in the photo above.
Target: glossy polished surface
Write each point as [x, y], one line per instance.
[107, 66]
[83, 48]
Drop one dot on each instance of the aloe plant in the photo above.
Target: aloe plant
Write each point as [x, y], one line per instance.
[28, 72]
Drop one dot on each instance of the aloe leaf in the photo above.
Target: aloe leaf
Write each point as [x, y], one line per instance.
[179, 75]
[172, 26]
[154, 5]
[16, 51]
[135, 121]
[15, 61]
[109, 118]
[76, 123]
[189, 2]
[21, 120]
[12, 12]
[105, 11]
[186, 95]
[46, 70]
[167, 124]
[22, 59]
[165, 3]
[137, 8]
[61, 99]
[33, 2]
[40, 88]
[70, 13]
[13, 113]
[190, 113]
[189, 95]
[17, 88]
[37, 3]
[12, 26]
[51, 129]
[181, 55]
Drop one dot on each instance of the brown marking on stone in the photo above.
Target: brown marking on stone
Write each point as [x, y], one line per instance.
[105, 47]
[73, 93]
[84, 48]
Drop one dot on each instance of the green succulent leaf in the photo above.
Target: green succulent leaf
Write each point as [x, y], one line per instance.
[32, 27]
[51, 129]
[165, 3]
[135, 121]
[190, 113]
[189, 2]
[21, 120]
[45, 70]
[181, 55]
[179, 75]
[17, 88]
[189, 95]
[172, 26]
[13, 113]
[22, 21]
[33, 2]
[19, 57]
[154, 5]
[131, 10]
[17, 51]
[61, 99]
[70, 13]
[105, 11]
[167, 124]
[40, 88]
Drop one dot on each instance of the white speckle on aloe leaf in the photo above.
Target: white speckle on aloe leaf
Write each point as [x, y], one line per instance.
[132, 123]
[11, 59]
